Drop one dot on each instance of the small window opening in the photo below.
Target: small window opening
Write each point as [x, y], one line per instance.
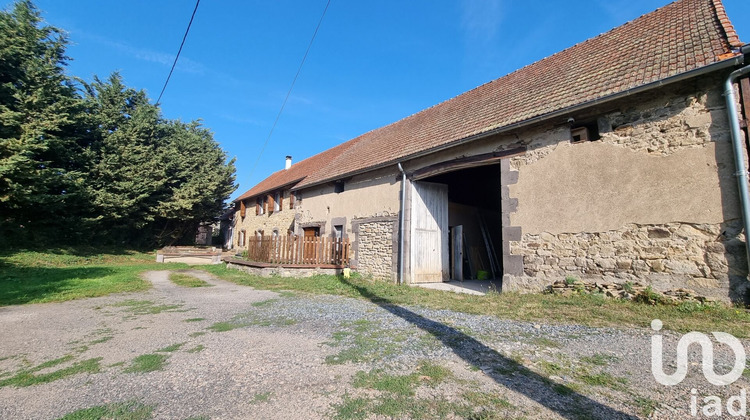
[584, 132]
[338, 187]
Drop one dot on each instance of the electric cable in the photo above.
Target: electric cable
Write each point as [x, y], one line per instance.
[184, 37]
[289, 92]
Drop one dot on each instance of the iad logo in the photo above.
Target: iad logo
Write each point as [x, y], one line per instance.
[707, 347]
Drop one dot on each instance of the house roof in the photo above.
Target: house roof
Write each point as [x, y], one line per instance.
[677, 38]
[298, 171]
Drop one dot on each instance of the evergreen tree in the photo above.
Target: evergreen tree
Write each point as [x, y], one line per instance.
[42, 164]
[102, 166]
[152, 180]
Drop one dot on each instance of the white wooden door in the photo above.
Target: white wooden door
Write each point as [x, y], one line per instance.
[429, 232]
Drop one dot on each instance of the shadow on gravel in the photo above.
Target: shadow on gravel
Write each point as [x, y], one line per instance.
[557, 397]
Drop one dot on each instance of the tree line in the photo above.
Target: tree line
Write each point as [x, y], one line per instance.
[96, 162]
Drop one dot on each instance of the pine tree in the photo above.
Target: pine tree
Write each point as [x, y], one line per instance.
[42, 163]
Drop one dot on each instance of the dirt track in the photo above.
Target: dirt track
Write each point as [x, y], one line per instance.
[293, 356]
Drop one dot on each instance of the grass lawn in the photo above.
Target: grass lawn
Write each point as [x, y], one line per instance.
[64, 274]
[591, 310]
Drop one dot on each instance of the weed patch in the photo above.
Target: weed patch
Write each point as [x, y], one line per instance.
[147, 363]
[226, 326]
[146, 307]
[599, 359]
[381, 381]
[172, 348]
[545, 342]
[29, 377]
[432, 373]
[645, 406]
[115, 411]
[186, 280]
[261, 397]
[263, 303]
[363, 341]
[101, 340]
[351, 408]
[195, 319]
[197, 349]
[603, 379]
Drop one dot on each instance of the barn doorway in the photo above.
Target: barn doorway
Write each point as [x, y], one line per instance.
[472, 242]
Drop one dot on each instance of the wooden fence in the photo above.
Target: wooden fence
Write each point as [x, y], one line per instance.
[299, 250]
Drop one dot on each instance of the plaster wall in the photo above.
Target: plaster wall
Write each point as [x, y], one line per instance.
[370, 195]
[654, 200]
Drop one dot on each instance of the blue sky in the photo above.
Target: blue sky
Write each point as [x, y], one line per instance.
[372, 63]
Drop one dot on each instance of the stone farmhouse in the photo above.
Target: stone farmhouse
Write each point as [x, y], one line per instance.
[613, 159]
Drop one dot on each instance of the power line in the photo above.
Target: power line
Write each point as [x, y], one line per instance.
[290, 89]
[184, 37]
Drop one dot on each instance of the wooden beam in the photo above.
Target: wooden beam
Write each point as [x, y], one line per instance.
[466, 162]
[745, 103]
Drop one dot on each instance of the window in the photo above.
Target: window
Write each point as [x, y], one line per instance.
[338, 231]
[241, 238]
[277, 201]
[260, 206]
[338, 187]
[275, 233]
[291, 200]
[584, 132]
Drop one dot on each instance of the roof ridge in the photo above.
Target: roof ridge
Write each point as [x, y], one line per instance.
[674, 39]
[721, 14]
[498, 79]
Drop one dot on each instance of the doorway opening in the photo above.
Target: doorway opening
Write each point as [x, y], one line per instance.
[474, 221]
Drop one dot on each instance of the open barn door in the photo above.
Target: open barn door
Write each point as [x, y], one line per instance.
[429, 232]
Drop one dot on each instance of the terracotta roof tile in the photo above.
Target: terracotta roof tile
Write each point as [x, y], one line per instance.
[674, 39]
[297, 171]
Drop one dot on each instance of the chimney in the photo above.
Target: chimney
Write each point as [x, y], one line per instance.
[288, 162]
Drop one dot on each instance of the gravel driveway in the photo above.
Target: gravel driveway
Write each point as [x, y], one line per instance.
[230, 351]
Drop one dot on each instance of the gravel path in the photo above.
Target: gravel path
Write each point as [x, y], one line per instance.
[234, 352]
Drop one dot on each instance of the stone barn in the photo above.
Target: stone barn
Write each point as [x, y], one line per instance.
[611, 160]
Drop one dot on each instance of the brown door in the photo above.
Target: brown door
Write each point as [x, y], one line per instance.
[311, 233]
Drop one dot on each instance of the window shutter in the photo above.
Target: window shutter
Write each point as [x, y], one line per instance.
[270, 203]
[243, 210]
[291, 200]
[257, 208]
[281, 200]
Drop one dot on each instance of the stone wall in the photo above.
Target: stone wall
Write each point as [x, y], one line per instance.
[653, 200]
[282, 221]
[706, 258]
[375, 246]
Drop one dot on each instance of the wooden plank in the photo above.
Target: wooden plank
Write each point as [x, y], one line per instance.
[745, 105]
[429, 233]
[466, 162]
[457, 253]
